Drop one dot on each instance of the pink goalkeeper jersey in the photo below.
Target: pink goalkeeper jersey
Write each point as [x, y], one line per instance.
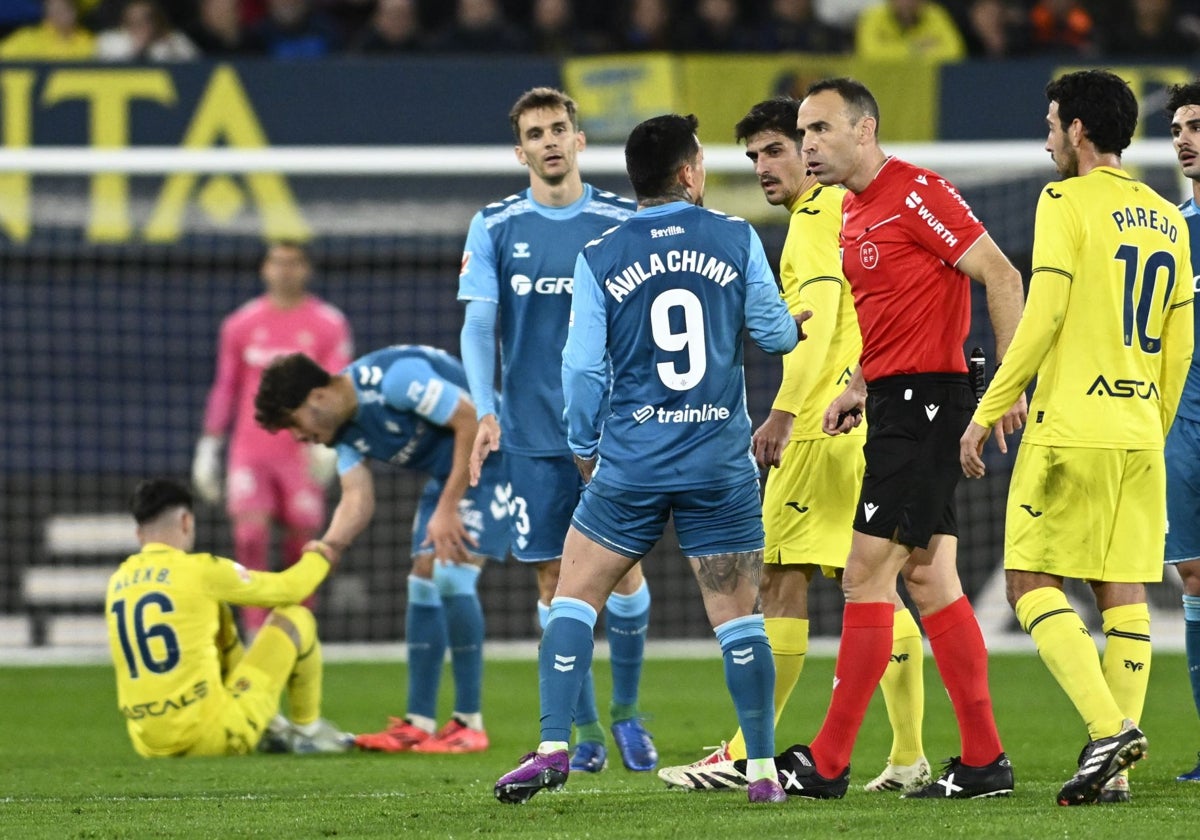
[251, 337]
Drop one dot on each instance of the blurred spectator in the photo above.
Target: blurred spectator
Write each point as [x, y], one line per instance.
[842, 14]
[900, 29]
[292, 29]
[1147, 29]
[17, 13]
[792, 26]
[394, 28]
[99, 15]
[252, 12]
[555, 31]
[479, 26]
[1061, 26]
[1188, 19]
[349, 17]
[995, 29]
[712, 26]
[645, 26]
[58, 37]
[145, 34]
[217, 29]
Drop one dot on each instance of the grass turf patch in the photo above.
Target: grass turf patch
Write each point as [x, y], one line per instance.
[67, 769]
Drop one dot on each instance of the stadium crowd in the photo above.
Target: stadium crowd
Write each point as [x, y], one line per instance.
[951, 30]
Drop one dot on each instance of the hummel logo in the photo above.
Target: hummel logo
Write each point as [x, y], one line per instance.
[796, 507]
[742, 657]
[644, 413]
[1134, 666]
[520, 249]
[869, 510]
[899, 657]
[1029, 509]
[564, 663]
[921, 179]
[931, 411]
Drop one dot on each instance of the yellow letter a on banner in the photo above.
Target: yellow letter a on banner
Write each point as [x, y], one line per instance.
[225, 113]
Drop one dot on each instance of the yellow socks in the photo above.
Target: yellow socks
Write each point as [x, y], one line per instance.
[1068, 651]
[789, 647]
[287, 646]
[903, 686]
[1126, 662]
[304, 687]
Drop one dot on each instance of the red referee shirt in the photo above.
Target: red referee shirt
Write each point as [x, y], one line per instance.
[901, 238]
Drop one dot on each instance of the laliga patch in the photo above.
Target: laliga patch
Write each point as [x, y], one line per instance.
[466, 263]
[868, 255]
[242, 572]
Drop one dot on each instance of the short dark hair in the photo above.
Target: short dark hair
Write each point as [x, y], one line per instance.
[1102, 102]
[775, 114]
[541, 97]
[154, 496]
[1180, 95]
[285, 384]
[294, 244]
[656, 149]
[856, 95]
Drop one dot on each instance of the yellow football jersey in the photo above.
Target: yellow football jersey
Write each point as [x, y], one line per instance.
[810, 270]
[163, 610]
[1107, 328]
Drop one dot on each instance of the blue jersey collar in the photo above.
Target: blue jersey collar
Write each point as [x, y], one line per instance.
[558, 213]
[664, 209]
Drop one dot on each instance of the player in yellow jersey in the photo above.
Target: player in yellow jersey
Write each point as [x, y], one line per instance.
[808, 506]
[184, 683]
[1107, 330]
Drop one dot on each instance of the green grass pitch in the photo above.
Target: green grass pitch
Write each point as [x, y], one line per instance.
[67, 770]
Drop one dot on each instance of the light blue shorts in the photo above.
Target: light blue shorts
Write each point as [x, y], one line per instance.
[1183, 491]
[483, 511]
[708, 521]
[543, 494]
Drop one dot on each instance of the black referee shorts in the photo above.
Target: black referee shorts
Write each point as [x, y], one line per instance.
[914, 423]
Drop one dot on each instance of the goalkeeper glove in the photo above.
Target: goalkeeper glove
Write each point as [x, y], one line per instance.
[206, 469]
[322, 463]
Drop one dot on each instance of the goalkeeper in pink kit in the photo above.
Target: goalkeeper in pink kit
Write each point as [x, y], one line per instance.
[270, 479]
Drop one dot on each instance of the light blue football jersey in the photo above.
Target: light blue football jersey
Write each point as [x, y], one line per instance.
[521, 256]
[406, 395]
[1189, 401]
[669, 297]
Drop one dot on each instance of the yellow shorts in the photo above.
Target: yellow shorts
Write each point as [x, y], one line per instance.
[808, 505]
[249, 700]
[1090, 514]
